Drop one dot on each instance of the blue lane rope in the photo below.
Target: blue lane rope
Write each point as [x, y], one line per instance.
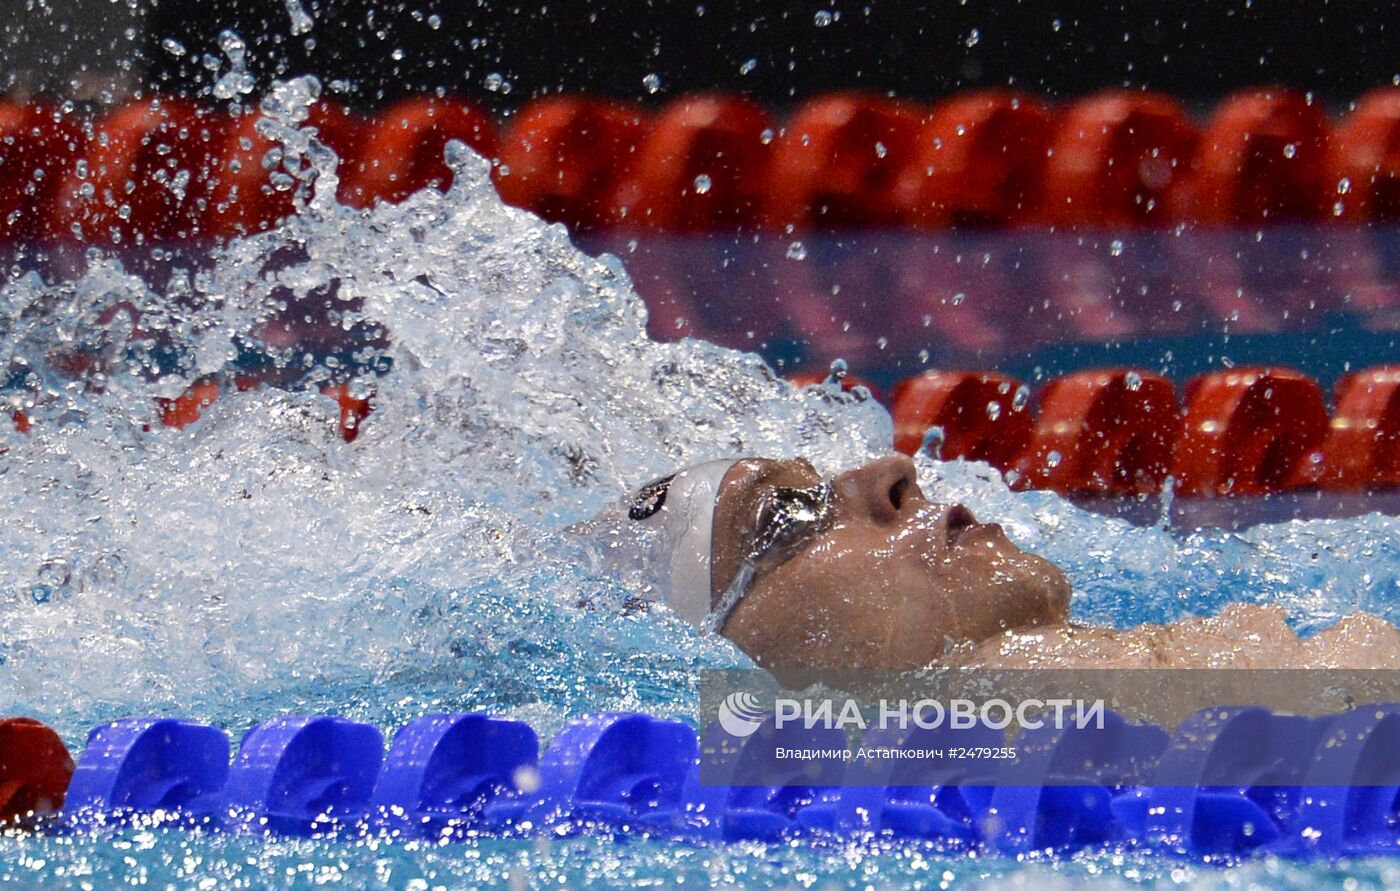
[1323, 787]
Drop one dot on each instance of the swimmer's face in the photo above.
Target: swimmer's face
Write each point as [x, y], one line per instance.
[884, 579]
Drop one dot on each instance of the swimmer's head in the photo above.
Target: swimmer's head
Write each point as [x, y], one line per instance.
[858, 571]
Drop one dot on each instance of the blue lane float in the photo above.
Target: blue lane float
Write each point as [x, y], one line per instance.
[918, 798]
[616, 770]
[1350, 803]
[444, 772]
[304, 775]
[744, 791]
[1229, 783]
[1196, 802]
[139, 766]
[1058, 794]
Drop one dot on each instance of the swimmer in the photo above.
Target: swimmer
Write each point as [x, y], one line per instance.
[864, 571]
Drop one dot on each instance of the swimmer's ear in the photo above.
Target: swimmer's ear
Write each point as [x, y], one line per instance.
[649, 498]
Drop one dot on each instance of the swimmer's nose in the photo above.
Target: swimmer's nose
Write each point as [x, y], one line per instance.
[884, 490]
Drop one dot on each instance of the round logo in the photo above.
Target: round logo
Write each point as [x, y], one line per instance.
[740, 714]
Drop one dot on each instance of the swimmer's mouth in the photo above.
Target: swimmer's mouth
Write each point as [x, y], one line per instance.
[960, 521]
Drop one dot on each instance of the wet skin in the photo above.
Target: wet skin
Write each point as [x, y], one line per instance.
[892, 580]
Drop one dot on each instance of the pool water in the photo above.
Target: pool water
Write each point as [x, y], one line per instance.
[255, 563]
[181, 859]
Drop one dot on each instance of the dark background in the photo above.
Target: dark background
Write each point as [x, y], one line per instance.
[919, 50]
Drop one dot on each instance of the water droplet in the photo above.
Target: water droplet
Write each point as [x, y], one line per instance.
[1022, 397]
[652, 83]
[822, 18]
[934, 437]
[993, 410]
[797, 251]
[1290, 150]
[301, 20]
[496, 83]
[748, 66]
[1053, 459]
[526, 779]
[880, 150]
[232, 45]
[434, 21]
[172, 46]
[973, 38]
[1133, 381]
[766, 136]
[457, 154]
[1343, 186]
[702, 184]
[1115, 248]
[958, 298]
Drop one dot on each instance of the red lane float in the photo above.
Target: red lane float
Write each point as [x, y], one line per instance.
[353, 409]
[1262, 158]
[702, 167]
[1248, 431]
[1364, 160]
[39, 148]
[1105, 432]
[979, 162]
[403, 151]
[1363, 446]
[1118, 159]
[983, 416]
[244, 199]
[186, 408]
[563, 157]
[836, 164]
[35, 768]
[145, 174]
[243, 196]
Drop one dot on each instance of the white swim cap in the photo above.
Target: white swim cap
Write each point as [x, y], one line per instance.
[667, 530]
[685, 506]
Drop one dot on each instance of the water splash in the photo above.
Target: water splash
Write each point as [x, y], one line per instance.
[256, 558]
